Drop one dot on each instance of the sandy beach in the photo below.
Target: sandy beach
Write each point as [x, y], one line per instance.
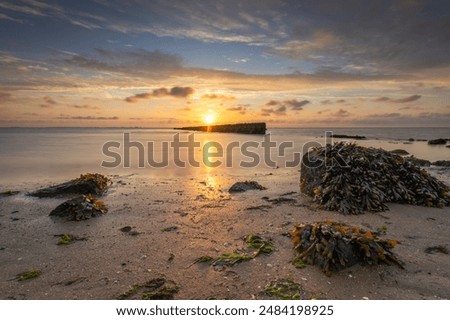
[174, 221]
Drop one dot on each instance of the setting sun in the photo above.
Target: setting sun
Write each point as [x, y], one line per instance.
[209, 118]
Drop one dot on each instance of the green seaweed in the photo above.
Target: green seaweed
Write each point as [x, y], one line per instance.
[256, 242]
[382, 229]
[231, 258]
[65, 239]
[27, 275]
[284, 289]
[298, 263]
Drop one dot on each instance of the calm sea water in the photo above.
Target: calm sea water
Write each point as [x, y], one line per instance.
[34, 154]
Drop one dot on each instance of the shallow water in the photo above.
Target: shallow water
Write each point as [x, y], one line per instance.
[34, 154]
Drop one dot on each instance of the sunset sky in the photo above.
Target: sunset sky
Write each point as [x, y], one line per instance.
[171, 63]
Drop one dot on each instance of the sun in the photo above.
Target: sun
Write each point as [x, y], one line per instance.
[209, 118]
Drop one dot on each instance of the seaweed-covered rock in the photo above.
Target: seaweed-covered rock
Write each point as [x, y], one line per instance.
[80, 208]
[438, 141]
[441, 163]
[352, 179]
[246, 185]
[335, 246]
[89, 183]
[418, 162]
[400, 152]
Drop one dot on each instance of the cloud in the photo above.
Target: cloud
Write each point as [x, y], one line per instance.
[293, 104]
[6, 17]
[241, 109]
[5, 96]
[408, 99]
[341, 113]
[218, 97]
[67, 117]
[296, 105]
[85, 106]
[176, 92]
[280, 111]
[137, 62]
[181, 92]
[401, 100]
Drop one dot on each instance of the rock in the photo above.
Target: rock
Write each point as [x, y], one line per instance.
[125, 229]
[335, 246]
[89, 183]
[418, 162]
[246, 185]
[442, 163]
[400, 152]
[344, 136]
[352, 179]
[438, 141]
[8, 193]
[80, 208]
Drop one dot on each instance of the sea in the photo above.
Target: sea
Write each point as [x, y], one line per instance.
[28, 155]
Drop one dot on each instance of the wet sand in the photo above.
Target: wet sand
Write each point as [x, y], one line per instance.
[181, 219]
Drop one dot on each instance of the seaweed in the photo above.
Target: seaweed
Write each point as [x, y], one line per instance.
[298, 263]
[256, 242]
[439, 249]
[230, 259]
[27, 275]
[284, 289]
[335, 246]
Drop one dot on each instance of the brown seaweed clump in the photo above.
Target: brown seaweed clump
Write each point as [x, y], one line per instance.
[89, 183]
[352, 179]
[335, 246]
[80, 208]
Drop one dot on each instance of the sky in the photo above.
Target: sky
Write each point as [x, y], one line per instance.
[289, 63]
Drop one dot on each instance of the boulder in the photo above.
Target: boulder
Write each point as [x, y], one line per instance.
[245, 185]
[438, 141]
[400, 152]
[441, 163]
[89, 183]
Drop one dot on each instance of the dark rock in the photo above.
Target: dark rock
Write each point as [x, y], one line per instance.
[170, 229]
[438, 141]
[246, 185]
[94, 184]
[437, 249]
[8, 193]
[246, 128]
[344, 136]
[125, 229]
[418, 162]
[400, 152]
[80, 208]
[442, 163]
[281, 200]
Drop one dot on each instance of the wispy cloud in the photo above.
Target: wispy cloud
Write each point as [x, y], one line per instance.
[400, 100]
[241, 109]
[176, 92]
[67, 117]
[84, 106]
